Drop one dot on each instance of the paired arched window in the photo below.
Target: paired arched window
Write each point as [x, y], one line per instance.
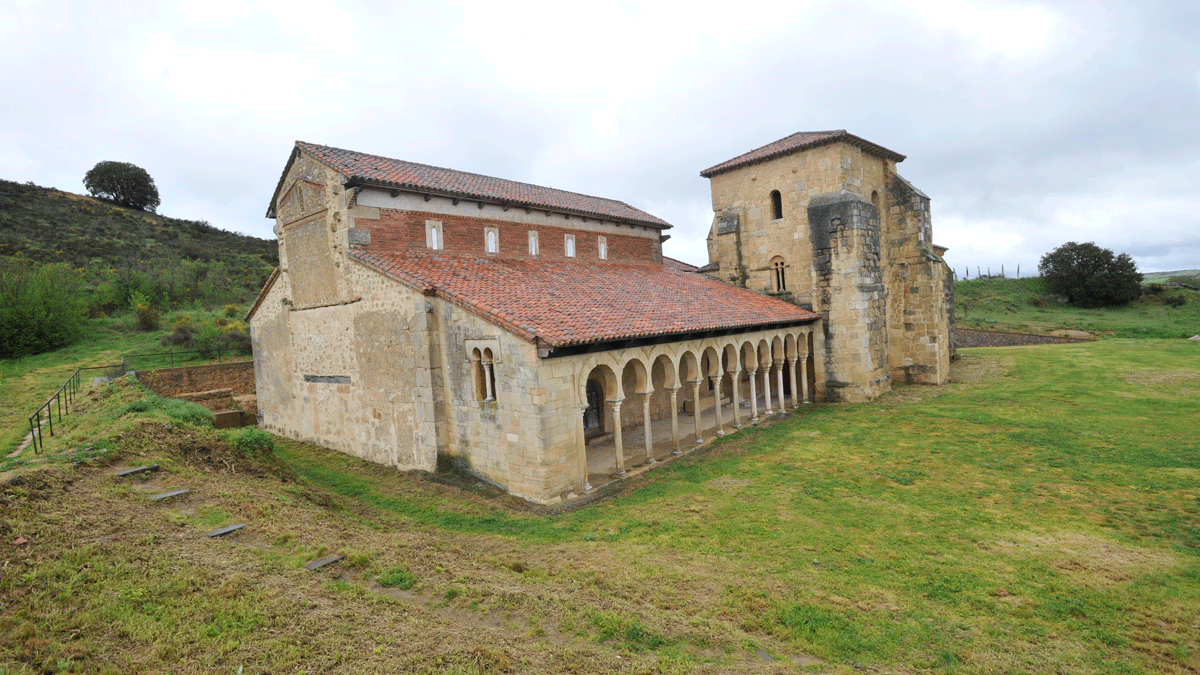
[778, 274]
[484, 372]
[776, 205]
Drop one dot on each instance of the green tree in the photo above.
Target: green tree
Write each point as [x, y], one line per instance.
[41, 309]
[124, 183]
[1091, 276]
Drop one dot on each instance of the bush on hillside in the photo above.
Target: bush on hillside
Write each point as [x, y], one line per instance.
[124, 183]
[41, 308]
[1091, 276]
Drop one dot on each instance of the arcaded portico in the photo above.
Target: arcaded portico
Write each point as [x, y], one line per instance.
[716, 384]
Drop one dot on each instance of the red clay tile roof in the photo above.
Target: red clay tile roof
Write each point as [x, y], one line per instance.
[801, 140]
[678, 265]
[714, 266]
[566, 303]
[360, 168]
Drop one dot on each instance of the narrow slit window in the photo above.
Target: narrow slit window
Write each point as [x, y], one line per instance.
[491, 238]
[533, 242]
[433, 234]
[569, 245]
[776, 205]
[602, 248]
[777, 270]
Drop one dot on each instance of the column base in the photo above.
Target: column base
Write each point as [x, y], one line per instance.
[699, 441]
[738, 426]
[652, 461]
[677, 452]
[720, 432]
[619, 474]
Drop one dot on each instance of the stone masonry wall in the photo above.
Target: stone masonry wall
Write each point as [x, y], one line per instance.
[170, 382]
[846, 249]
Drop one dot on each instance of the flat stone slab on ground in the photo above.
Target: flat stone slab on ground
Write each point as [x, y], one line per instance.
[140, 469]
[222, 531]
[322, 562]
[168, 495]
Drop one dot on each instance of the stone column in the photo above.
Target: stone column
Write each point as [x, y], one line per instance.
[795, 382]
[487, 378]
[804, 379]
[766, 371]
[649, 429]
[618, 446]
[718, 380]
[779, 384]
[583, 469]
[753, 395]
[675, 422]
[736, 381]
[696, 409]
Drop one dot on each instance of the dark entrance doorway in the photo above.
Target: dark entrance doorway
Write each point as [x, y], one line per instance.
[595, 398]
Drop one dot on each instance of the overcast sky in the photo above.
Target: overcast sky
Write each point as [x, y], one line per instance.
[1029, 124]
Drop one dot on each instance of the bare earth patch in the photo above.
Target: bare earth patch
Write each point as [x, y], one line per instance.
[1156, 377]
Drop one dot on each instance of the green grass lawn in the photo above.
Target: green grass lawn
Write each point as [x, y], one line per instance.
[1022, 305]
[1041, 514]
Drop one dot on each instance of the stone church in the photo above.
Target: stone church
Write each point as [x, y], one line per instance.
[538, 338]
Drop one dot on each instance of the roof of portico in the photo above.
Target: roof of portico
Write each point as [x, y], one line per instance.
[560, 303]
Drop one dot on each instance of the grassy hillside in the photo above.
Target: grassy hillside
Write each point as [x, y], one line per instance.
[1027, 305]
[972, 528]
[173, 262]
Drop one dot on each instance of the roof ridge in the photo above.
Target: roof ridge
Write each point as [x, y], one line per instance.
[475, 174]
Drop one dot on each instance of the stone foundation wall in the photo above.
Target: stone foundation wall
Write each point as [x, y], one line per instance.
[238, 377]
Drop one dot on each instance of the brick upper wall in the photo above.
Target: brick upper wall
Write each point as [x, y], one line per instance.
[398, 231]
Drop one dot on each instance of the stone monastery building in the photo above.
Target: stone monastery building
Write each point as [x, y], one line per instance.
[539, 339]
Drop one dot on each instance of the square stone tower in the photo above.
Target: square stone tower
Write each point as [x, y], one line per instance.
[821, 219]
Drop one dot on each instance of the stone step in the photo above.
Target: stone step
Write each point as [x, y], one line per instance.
[322, 562]
[222, 531]
[168, 495]
[141, 469]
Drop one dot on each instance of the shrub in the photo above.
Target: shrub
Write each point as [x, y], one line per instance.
[397, 578]
[41, 308]
[183, 336]
[251, 441]
[231, 311]
[1175, 301]
[147, 316]
[1155, 289]
[1091, 276]
[124, 183]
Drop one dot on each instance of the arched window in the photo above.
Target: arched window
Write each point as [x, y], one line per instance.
[492, 240]
[478, 375]
[778, 274]
[776, 205]
[569, 245]
[489, 376]
[533, 242]
[602, 248]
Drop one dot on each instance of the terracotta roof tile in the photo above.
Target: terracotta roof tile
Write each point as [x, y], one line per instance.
[800, 140]
[358, 167]
[565, 303]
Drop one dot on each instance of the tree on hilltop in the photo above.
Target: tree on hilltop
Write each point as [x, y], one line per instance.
[123, 183]
[1091, 276]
